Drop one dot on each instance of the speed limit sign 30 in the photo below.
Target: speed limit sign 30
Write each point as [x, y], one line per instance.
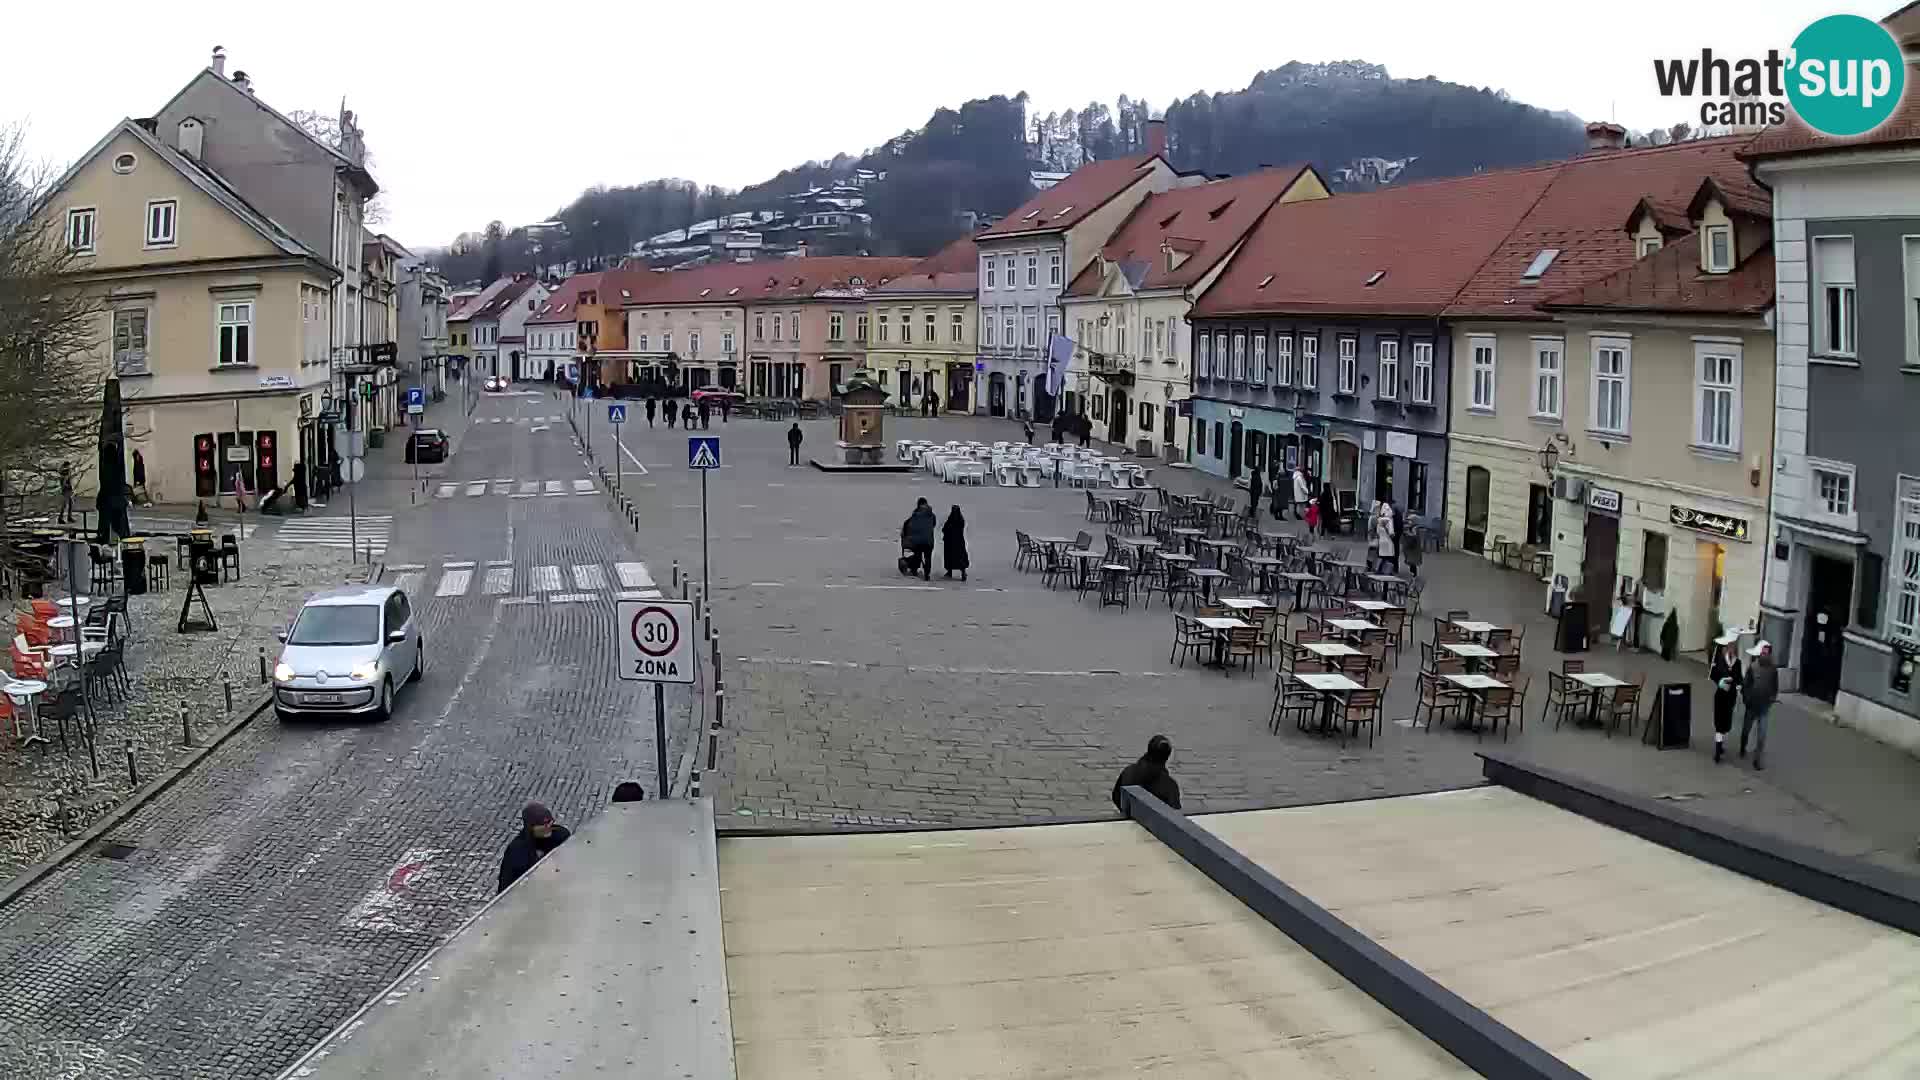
[656, 640]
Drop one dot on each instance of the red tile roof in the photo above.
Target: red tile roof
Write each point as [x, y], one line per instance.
[1670, 281]
[564, 301]
[1581, 213]
[756, 282]
[1427, 239]
[953, 269]
[1205, 222]
[1795, 137]
[1063, 205]
[500, 301]
[465, 307]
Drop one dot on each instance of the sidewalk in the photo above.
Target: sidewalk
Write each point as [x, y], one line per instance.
[1824, 784]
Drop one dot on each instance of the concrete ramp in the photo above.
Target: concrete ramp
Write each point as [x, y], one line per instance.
[605, 961]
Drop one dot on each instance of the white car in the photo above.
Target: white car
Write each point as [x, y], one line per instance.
[496, 382]
[346, 654]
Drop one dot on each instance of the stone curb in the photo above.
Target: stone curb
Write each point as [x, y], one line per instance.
[33, 875]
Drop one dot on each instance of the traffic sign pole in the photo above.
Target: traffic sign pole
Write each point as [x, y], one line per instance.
[660, 738]
[706, 569]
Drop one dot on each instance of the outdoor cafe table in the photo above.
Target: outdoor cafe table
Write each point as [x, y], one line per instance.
[1244, 603]
[1354, 626]
[25, 693]
[1147, 514]
[1116, 585]
[1263, 571]
[74, 601]
[1474, 654]
[1187, 536]
[66, 651]
[1218, 547]
[1085, 559]
[1476, 687]
[1475, 627]
[1330, 651]
[1207, 575]
[1599, 682]
[1382, 581]
[1219, 626]
[1370, 605]
[1328, 685]
[1300, 578]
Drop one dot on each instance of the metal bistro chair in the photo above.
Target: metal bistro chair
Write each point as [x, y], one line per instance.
[1357, 708]
[1436, 695]
[1292, 697]
[229, 556]
[1564, 697]
[1189, 638]
[1243, 643]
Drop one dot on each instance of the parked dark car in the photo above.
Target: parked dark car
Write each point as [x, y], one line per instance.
[427, 445]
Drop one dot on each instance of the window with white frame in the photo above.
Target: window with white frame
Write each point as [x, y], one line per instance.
[80, 230]
[1006, 268]
[640, 343]
[1006, 328]
[1310, 362]
[1053, 268]
[693, 343]
[759, 328]
[1905, 608]
[1203, 359]
[986, 328]
[236, 333]
[1830, 492]
[884, 332]
[1481, 369]
[793, 326]
[1423, 372]
[836, 325]
[1222, 356]
[1347, 375]
[958, 329]
[1834, 297]
[726, 342]
[1258, 373]
[1645, 246]
[1283, 360]
[932, 321]
[666, 338]
[1033, 269]
[1716, 395]
[1913, 302]
[988, 269]
[1053, 324]
[1240, 356]
[906, 326]
[1549, 366]
[860, 327]
[1033, 329]
[1160, 342]
[1612, 385]
[1389, 387]
[776, 330]
[1719, 248]
[130, 341]
[160, 222]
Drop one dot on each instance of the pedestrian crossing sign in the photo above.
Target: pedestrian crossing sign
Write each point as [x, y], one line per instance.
[616, 414]
[703, 452]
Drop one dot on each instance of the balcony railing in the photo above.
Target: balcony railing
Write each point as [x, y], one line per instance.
[1109, 364]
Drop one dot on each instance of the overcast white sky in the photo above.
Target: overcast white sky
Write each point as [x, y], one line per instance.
[475, 112]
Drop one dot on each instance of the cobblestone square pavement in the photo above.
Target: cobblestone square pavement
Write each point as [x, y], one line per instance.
[858, 696]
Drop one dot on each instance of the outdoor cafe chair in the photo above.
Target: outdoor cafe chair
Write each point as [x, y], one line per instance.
[1496, 709]
[1291, 697]
[1457, 614]
[1026, 552]
[1436, 695]
[1175, 582]
[1623, 705]
[1358, 668]
[1095, 510]
[229, 556]
[1564, 697]
[1506, 665]
[1499, 640]
[1243, 643]
[1573, 667]
[1359, 708]
[1189, 637]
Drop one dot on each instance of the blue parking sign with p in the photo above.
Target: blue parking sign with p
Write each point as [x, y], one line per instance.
[703, 452]
[616, 414]
[416, 395]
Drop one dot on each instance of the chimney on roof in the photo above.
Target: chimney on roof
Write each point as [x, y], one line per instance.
[1603, 135]
[219, 64]
[192, 136]
[1157, 137]
[241, 80]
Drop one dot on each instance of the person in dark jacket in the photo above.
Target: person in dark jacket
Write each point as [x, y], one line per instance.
[953, 543]
[1759, 691]
[1084, 428]
[538, 835]
[1059, 426]
[706, 414]
[916, 535]
[687, 416]
[1277, 493]
[1726, 677]
[1256, 487]
[726, 409]
[1150, 772]
[793, 444]
[652, 405]
[629, 791]
[1329, 515]
[673, 413]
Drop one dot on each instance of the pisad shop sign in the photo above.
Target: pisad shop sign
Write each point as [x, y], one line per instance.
[1732, 528]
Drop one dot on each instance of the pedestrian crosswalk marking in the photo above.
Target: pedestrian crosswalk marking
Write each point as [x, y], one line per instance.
[499, 581]
[454, 583]
[570, 598]
[368, 534]
[583, 487]
[529, 487]
[553, 488]
[589, 576]
[501, 487]
[641, 594]
[445, 491]
[465, 564]
[477, 487]
[546, 579]
[408, 581]
[633, 575]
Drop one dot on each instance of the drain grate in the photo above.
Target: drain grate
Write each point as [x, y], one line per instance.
[117, 852]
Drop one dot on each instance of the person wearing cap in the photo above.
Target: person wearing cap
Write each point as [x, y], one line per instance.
[538, 835]
[1760, 690]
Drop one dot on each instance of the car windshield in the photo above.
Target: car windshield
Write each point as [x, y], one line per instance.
[355, 624]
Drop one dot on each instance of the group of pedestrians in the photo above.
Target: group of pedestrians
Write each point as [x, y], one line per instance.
[916, 542]
[690, 414]
[1758, 684]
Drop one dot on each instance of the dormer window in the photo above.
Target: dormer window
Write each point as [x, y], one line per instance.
[1717, 249]
[1645, 246]
[1264, 282]
[1538, 267]
[1374, 278]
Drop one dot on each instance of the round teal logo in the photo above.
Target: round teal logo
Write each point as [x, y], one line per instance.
[1848, 75]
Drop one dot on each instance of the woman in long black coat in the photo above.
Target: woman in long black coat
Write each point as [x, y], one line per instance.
[1725, 674]
[953, 544]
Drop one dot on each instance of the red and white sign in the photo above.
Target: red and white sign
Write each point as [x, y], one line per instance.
[656, 640]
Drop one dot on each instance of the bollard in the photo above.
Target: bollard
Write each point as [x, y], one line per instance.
[716, 659]
[719, 701]
[263, 664]
[133, 769]
[186, 728]
[226, 683]
[676, 572]
[713, 733]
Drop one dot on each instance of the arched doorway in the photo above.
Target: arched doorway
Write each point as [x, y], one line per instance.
[997, 394]
[1479, 488]
[1345, 473]
[1117, 410]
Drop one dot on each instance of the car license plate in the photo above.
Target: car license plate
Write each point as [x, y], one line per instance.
[320, 699]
